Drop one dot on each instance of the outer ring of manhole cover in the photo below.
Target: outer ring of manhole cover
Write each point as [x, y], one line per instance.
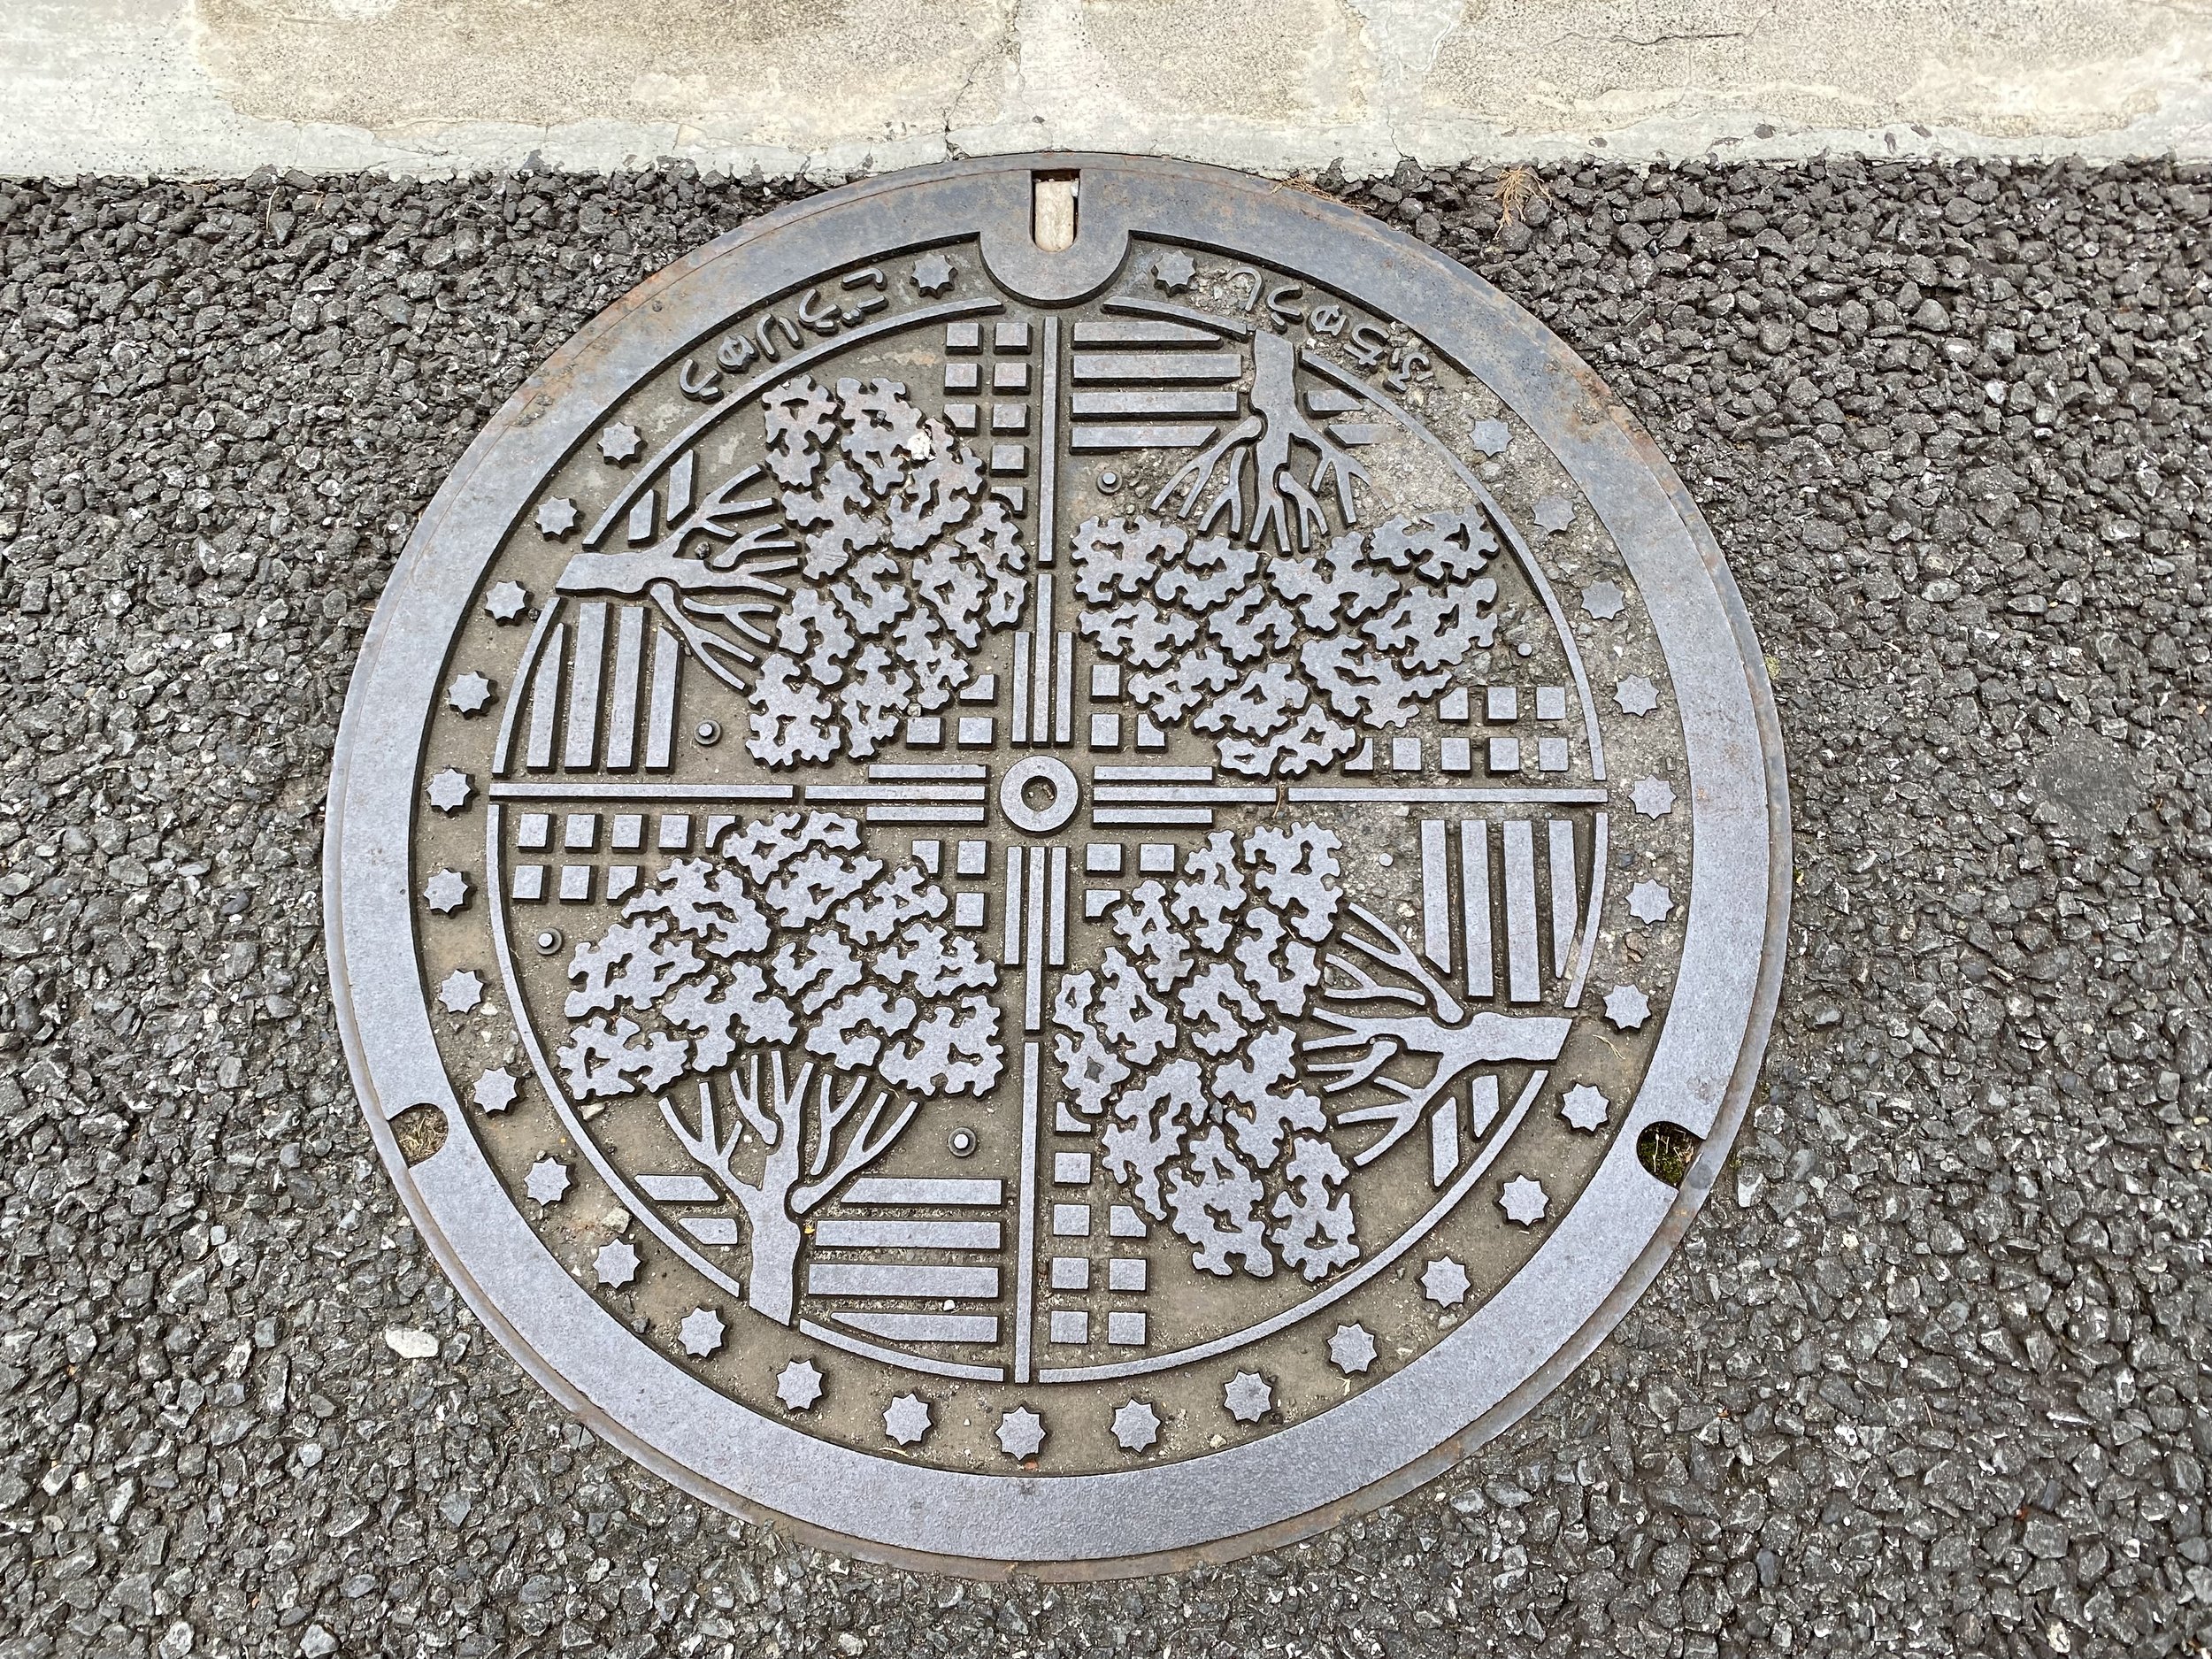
[1047, 895]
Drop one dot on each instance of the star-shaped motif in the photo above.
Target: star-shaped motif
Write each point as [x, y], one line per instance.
[1524, 1200]
[509, 600]
[1444, 1282]
[799, 1384]
[1021, 1432]
[615, 1264]
[558, 514]
[460, 990]
[701, 1330]
[619, 442]
[1636, 694]
[1585, 1108]
[907, 1419]
[449, 790]
[1491, 436]
[1136, 1425]
[1351, 1349]
[1249, 1396]
[495, 1090]
[1650, 901]
[1554, 514]
[933, 274]
[470, 693]
[1627, 1007]
[446, 892]
[1653, 797]
[546, 1181]
[1173, 270]
[1603, 601]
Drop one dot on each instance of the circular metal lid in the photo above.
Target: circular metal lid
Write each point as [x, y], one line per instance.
[1061, 863]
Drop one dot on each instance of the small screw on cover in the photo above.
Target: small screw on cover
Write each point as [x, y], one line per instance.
[548, 940]
[707, 733]
[962, 1141]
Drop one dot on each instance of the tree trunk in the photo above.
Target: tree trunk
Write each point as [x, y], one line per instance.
[771, 1283]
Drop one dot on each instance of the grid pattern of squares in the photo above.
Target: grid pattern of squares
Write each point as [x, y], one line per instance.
[1109, 726]
[1507, 746]
[1096, 1282]
[576, 882]
[1001, 426]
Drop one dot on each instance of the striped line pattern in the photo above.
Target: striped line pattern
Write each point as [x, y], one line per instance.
[602, 697]
[1138, 383]
[1518, 889]
[891, 1259]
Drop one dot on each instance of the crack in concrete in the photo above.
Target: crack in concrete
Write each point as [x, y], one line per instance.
[953, 152]
[1687, 35]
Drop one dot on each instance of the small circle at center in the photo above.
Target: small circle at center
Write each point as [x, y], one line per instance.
[1049, 773]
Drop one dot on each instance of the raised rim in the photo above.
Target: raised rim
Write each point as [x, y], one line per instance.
[1599, 422]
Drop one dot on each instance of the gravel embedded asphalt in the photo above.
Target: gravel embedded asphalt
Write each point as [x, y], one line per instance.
[1929, 1375]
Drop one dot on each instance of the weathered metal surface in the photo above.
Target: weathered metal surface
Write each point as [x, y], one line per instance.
[1047, 892]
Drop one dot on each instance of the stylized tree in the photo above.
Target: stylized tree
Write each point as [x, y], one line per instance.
[721, 960]
[1280, 503]
[907, 563]
[1219, 962]
[1286, 659]
[1443, 1030]
[791, 1184]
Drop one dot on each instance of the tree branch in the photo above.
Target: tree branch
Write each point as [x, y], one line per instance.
[791, 1102]
[708, 1148]
[1310, 518]
[1351, 1073]
[1364, 987]
[1403, 1114]
[1199, 471]
[833, 1114]
[710, 650]
[748, 1099]
[738, 615]
[1399, 954]
[866, 1147]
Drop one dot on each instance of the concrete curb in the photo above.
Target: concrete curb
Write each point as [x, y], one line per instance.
[217, 88]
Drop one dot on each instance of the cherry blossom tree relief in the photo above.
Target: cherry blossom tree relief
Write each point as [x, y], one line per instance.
[815, 996]
[1181, 1043]
[1288, 661]
[907, 562]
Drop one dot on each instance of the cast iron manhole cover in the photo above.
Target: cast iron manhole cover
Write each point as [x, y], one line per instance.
[1057, 904]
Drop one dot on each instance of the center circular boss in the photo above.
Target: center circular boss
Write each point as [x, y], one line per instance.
[1250, 1128]
[1058, 778]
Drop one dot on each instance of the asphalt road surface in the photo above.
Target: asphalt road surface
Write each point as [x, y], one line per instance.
[1929, 1376]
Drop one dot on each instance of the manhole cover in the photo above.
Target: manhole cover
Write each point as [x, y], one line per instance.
[1089, 864]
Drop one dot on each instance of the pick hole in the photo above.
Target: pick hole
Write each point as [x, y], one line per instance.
[1668, 1150]
[420, 1132]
